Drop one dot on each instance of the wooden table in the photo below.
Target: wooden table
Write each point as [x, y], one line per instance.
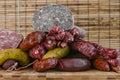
[30, 74]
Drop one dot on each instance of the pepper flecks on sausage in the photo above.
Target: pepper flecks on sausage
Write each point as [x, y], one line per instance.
[45, 64]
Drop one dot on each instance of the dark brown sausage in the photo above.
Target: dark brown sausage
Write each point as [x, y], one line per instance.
[8, 64]
[75, 64]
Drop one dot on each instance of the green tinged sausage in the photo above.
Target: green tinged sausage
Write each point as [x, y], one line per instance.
[15, 54]
[57, 53]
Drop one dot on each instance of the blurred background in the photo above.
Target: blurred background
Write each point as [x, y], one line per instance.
[100, 18]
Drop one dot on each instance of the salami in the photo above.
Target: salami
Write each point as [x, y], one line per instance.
[52, 15]
[9, 39]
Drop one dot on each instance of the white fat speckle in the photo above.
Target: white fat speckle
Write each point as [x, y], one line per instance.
[39, 17]
[57, 19]
[41, 10]
[33, 21]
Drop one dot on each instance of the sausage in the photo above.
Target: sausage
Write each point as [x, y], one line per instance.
[32, 39]
[45, 64]
[74, 64]
[101, 64]
[9, 39]
[85, 48]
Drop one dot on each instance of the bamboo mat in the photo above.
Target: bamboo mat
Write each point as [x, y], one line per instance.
[30, 74]
[100, 18]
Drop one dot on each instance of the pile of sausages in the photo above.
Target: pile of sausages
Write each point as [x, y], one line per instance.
[96, 56]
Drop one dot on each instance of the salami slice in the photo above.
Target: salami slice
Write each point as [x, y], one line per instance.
[9, 39]
[52, 15]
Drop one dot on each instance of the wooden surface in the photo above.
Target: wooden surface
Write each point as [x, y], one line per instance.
[100, 18]
[30, 74]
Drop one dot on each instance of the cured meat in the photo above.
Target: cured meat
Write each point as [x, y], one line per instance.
[101, 64]
[37, 52]
[52, 15]
[32, 39]
[45, 64]
[75, 64]
[78, 33]
[85, 48]
[9, 39]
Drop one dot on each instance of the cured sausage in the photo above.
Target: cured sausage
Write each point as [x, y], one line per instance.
[75, 64]
[9, 39]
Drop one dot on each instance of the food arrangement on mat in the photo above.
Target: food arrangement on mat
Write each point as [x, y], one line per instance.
[64, 50]
[55, 44]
